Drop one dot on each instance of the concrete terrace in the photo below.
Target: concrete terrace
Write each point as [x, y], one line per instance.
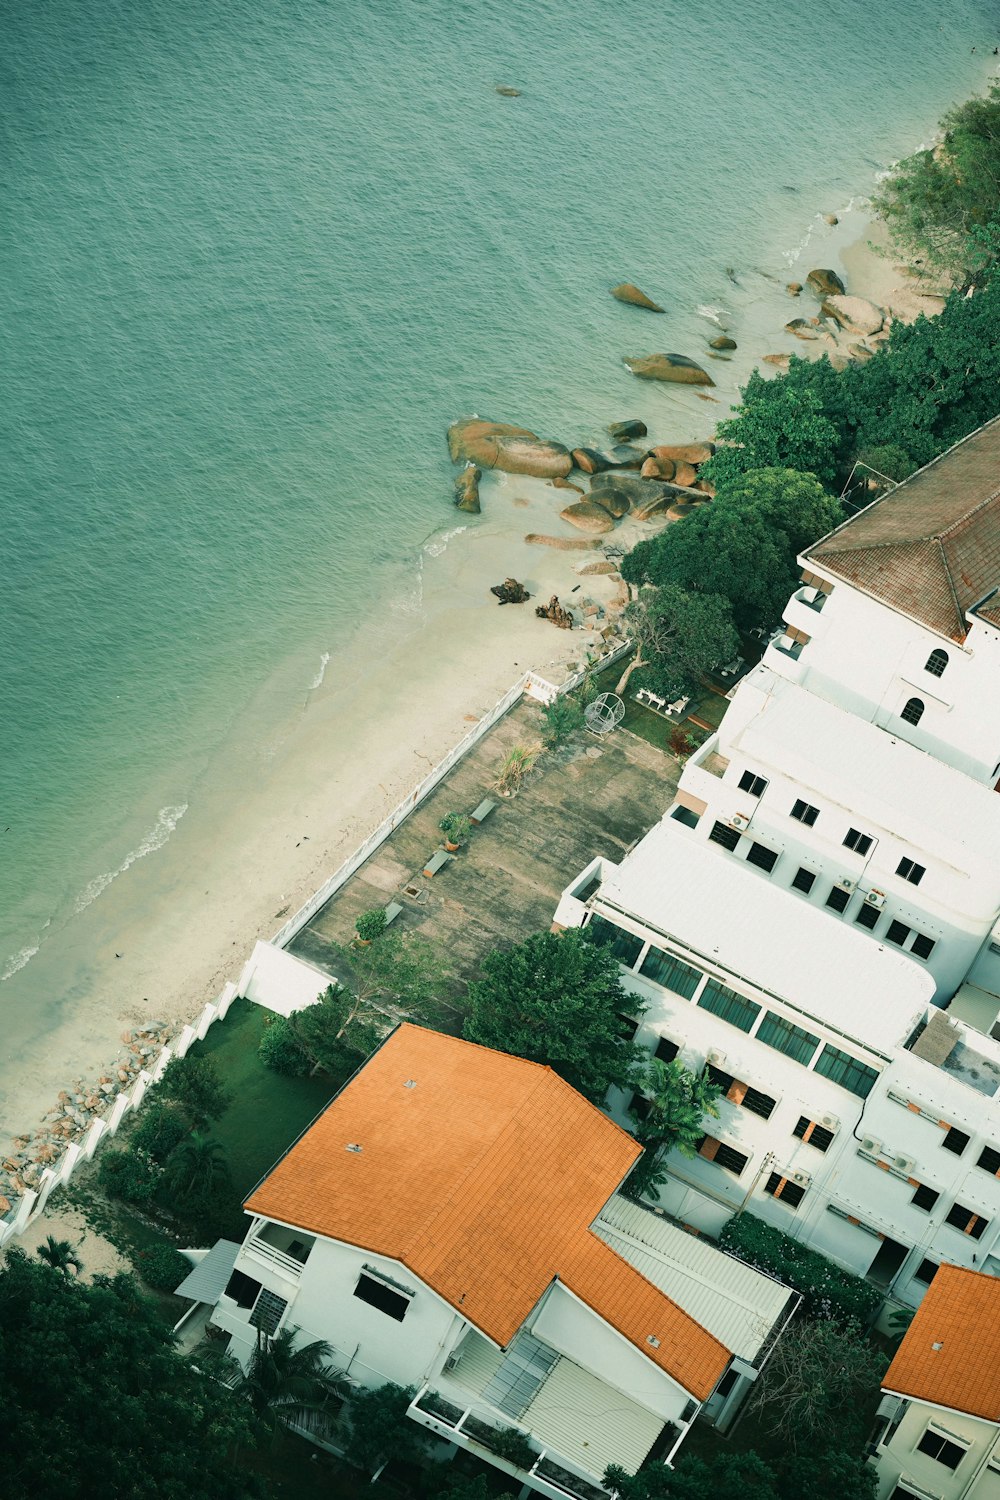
[584, 798]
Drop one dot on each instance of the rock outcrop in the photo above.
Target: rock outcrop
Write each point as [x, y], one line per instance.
[826, 283]
[625, 432]
[723, 342]
[562, 543]
[590, 461]
[684, 453]
[554, 611]
[507, 92]
[854, 314]
[781, 362]
[588, 516]
[474, 440]
[543, 460]
[628, 292]
[801, 329]
[793, 288]
[626, 456]
[467, 489]
[565, 484]
[673, 367]
[658, 468]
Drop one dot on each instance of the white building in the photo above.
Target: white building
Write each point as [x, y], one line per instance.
[938, 1434]
[825, 877]
[450, 1223]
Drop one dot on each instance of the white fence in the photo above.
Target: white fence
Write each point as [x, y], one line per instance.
[34, 1201]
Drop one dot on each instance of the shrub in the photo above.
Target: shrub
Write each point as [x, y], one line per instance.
[279, 1050]
[162, 1267]
[511, 1444]
[161, 1127]
[195, 1084]
[514, 768]
[371, 924]
[378, 1428]
[678, 742]
[827, 1291]
[561, 718]
[131, 1175]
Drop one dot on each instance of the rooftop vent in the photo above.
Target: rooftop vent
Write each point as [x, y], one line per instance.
[353, 1146]
[653, 1340]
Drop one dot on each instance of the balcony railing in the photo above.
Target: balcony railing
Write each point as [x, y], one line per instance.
[259, 1249]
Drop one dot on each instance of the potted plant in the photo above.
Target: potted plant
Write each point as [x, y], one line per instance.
[369, 926]
[456, 828]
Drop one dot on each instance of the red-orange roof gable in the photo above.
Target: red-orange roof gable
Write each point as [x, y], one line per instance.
[951, 1352]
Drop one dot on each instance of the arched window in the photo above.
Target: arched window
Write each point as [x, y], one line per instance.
[913, 712]
[936, 663]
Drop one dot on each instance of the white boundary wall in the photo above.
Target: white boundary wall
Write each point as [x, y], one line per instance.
[531, 685]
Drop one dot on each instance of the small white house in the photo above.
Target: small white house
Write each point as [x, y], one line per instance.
[938, 1434]
[451, 1223]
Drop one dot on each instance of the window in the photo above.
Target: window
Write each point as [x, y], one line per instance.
[380, 1294]
[724, 835]
[911, 871]
[665, 1050]
[723, 1081]
[936, 663]
[922, 946]
[627, 1027]
[729, 1006]
[941, 1448]
[639, 1106]
[663, 968]
[762, 857]
[867, 916]
[840, 1067]
[838, 899]
[859, 842]
[758, 1103]
[790, 1193]
[803, 881]
[913, 711]
[686, 815]
[925, 1272]
[925, 1198]
[989, 1160]
[243, 1289]
[755, 785]
[805, 812]
[267, 1311]
[624, 945]
[955, 1140]
[964, 1219]
[774, 1031]
[898, 933]
[812, 1134]
[724, 1156]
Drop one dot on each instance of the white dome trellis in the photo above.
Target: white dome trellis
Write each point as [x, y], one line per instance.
[604, 714]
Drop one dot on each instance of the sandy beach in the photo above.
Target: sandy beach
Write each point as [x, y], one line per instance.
[164, 939]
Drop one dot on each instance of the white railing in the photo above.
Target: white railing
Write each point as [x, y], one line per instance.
[270, 1255]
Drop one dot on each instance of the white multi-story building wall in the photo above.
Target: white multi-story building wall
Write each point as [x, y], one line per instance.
[825, 878]
[938, 1431]
[451, 1223]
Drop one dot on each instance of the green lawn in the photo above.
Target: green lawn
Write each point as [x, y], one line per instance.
[268, 1111]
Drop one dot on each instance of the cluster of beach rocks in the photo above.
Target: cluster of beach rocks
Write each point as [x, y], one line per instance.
[629, 479]
[75, 1111]
[852, 328]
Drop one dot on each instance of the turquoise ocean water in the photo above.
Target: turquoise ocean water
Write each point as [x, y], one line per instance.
[254, 258]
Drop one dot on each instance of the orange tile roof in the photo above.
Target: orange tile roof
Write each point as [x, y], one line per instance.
[951, 1352]
[482, 1173]
[930, 548]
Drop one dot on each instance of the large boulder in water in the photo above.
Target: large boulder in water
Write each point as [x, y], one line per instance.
[674, 367]
[854, 314]
[625, 432]
[520, 455]
[658, 468]
[590, 461]
[467, 489]
[684, 453]
[475, 440]
[723, 341]
[626, 456]
[826, 283]
[588, 516]
[628, 292]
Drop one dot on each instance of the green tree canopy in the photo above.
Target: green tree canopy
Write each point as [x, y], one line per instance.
[557, 999]
[941, 205]
[378, 1427]
[679, 637]
[723, 1473]
[743, 546]
[286, 1381]
[194, 1084]
[791, 429]
[676, 1104]
[95, 1400]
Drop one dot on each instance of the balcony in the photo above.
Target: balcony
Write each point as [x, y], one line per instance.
[278, 1249]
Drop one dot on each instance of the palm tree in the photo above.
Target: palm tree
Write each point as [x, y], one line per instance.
[285, 1384]
[197, 1167]
[60, 1255]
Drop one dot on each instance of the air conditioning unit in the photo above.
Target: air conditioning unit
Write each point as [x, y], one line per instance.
[905, 1164]
[740, 820]
[716, 1058]
[802, 1178]
[871, 1146]
[875, 898]
[452, 1360]
[847, 884]
[830, 1122]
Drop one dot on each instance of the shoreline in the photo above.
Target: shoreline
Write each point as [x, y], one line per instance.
[164, 941]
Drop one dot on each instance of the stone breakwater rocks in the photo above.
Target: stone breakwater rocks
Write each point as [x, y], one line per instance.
[467, 489]
[628, 292]
[672, 367]
[76, 1110]
[514, 450]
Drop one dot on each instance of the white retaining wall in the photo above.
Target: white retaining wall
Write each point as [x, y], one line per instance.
[272, 977]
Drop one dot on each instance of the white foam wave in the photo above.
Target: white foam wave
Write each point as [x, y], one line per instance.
[317, 681]
[166, 822]
[17, 961]
[440, 544]
[714, 314]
